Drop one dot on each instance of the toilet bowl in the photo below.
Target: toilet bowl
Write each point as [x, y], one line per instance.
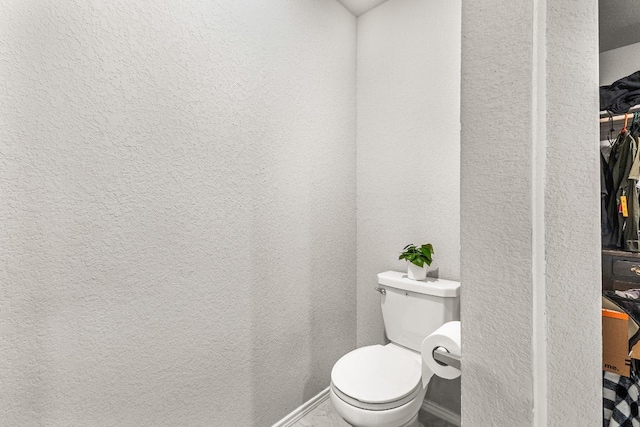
[385, 385]
[378, 386]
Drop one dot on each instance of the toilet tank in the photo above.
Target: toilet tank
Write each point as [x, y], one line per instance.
[413, 309]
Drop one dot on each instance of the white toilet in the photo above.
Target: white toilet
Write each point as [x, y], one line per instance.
[384, 386]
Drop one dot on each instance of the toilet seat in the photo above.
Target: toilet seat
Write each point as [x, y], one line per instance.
[378, 377]
[376, 406]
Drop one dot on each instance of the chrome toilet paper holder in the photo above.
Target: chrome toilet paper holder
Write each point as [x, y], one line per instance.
[445, 358]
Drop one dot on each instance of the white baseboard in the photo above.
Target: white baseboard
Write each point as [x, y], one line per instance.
[303, 409]
[440, 412]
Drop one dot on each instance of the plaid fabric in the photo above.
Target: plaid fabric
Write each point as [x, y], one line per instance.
[620, 400]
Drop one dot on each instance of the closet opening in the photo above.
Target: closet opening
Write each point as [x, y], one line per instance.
[620, 207]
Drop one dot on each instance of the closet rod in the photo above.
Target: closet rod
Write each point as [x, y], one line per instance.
[605, 117]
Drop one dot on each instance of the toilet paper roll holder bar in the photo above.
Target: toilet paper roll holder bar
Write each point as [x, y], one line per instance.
[445, 358]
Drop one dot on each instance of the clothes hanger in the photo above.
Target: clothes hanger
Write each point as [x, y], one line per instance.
[611, 130]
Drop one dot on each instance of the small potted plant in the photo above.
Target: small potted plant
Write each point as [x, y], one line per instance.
[416, 258]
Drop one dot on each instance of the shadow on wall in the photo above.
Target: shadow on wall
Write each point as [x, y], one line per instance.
[445, 393]
[303, 282]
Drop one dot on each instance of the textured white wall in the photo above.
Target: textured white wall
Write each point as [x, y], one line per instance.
[530, 262]
[178, 219]
[496, 229]
[572, 216]
[618, 63]
[408, 167]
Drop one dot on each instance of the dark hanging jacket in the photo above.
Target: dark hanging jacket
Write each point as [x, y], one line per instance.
[624, 167]
[606, 188]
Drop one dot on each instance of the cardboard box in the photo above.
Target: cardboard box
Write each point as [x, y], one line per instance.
[616, 357]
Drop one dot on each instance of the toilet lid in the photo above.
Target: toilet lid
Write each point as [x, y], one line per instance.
[378, 374]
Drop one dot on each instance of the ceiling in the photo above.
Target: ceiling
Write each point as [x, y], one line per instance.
[619, 24]
[358, 7]
[619, 20]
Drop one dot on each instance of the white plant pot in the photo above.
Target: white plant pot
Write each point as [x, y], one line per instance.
[416, 273]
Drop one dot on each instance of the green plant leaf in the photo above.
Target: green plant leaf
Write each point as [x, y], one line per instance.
[429, 247]
[418, 255]
[426, 252]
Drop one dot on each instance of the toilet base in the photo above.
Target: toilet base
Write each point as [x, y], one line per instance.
[387, 418]
[413, 422]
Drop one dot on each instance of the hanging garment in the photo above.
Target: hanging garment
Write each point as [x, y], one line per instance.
[606, 188]
[620, 400]
[623, 207]
[631, 231]
[621, 95]
[634, 129]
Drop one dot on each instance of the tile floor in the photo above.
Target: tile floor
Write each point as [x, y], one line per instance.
[325, 416]
[322, 416]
